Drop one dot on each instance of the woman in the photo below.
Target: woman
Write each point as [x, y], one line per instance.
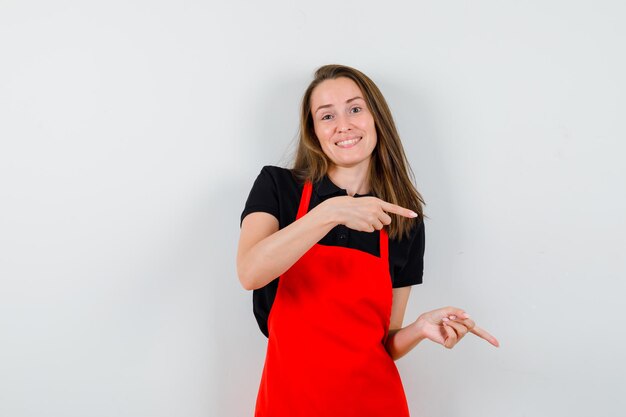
[337, 232]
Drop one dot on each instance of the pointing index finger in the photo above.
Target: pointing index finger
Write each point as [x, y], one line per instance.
[485, 335]
[392, 208]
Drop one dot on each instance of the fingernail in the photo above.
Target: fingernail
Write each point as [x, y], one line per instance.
[413, 214]
[452, 317]
[445, 319]
[466, 315]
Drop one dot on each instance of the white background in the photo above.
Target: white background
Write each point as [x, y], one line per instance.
[132, 131]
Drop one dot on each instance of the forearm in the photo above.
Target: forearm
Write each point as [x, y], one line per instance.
[401, 341]
[273, 255]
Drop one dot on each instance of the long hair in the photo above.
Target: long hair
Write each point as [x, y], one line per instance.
[390, 175]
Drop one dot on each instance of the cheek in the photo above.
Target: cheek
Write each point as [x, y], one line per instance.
[372, 124]
[322, 133]
[320, 138]
[372, 129]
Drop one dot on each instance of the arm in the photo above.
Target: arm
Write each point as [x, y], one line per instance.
[401, 341]
[265, 252]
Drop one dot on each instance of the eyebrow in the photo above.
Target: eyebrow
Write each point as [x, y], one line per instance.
[330, 105]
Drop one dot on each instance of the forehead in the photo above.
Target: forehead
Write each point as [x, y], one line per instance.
[335, 91]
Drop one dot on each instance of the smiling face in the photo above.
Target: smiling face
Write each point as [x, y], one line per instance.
[343, 123]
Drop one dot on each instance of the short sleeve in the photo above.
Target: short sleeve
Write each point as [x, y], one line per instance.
[412, 271]
[263, 196]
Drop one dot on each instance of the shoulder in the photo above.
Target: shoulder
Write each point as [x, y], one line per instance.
[275, 191]
[279, 179]
[278, 174]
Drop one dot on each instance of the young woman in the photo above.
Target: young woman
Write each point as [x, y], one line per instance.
[343, 231]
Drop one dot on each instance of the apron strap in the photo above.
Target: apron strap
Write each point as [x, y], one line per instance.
[305, 199]
[384, 247]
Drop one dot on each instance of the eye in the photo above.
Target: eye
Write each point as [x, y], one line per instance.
[356, 109]
[326, 117]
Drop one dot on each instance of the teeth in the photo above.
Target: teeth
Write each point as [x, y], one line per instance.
[347, 142]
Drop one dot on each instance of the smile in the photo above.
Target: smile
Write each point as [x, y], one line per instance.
[348, 143]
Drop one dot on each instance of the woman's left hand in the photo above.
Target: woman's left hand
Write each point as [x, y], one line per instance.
[448, 325]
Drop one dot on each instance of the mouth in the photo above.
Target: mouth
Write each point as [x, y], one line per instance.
[348, 143]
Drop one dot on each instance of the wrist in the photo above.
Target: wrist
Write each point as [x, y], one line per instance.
[328, 213]
[417, 330]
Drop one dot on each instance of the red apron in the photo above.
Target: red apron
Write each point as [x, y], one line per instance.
[327, 327]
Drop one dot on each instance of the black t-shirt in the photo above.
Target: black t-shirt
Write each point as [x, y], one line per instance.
[277, 192]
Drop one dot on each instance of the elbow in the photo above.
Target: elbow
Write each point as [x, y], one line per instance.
[391, 352]
[246, 285]
[251, 273]
[246, 277]
[245, 280]
[243, 273]
[390, 347]
[394, 355]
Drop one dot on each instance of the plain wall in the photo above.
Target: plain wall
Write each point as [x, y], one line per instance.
[132, 131]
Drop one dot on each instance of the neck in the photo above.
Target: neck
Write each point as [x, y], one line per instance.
[352, 179]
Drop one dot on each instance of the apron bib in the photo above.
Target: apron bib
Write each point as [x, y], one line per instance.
[327, 329]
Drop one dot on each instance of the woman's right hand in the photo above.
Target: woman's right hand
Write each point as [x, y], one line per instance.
[364, 214]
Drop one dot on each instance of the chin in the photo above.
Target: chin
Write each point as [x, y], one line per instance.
[349, 163]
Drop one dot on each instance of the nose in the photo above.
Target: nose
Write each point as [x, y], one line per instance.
[342, 125]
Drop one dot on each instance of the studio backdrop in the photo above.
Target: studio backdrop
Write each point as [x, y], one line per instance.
[131, 133]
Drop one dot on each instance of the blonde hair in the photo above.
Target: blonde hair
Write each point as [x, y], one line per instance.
[390, 175]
